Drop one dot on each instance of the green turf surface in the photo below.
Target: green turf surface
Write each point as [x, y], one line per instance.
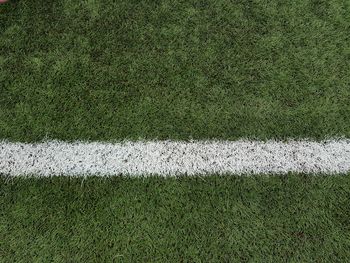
[105, 70]
[115, 70]
[212, 219]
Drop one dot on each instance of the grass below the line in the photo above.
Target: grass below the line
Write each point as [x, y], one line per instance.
[114, 70]
[216, 218]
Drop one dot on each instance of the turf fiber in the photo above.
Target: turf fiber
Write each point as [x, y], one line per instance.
[113, 70]
[294, 218]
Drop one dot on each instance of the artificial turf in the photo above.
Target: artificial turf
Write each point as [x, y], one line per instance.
[115, 70]
[294, 218]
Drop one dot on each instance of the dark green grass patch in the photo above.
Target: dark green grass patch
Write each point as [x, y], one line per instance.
[211, 219]
[104, 70]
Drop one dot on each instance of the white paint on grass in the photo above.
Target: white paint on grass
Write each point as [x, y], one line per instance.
[170, 158]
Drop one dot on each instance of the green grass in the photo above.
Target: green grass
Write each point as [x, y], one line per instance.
[292, 218]
[110, 70]
[130, 69]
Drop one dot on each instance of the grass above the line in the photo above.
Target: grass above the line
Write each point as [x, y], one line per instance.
[114, 70]
[271, 219]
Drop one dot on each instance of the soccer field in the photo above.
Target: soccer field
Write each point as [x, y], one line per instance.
[174, 131]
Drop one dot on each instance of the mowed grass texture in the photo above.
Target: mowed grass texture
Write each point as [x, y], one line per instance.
[115, 70]
[291, 218]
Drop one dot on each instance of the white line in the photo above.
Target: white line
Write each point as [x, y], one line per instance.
[170, 158]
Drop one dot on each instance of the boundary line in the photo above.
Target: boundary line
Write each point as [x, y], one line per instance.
[173, 158]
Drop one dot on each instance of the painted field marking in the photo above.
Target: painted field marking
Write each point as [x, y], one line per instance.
[172, 158]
